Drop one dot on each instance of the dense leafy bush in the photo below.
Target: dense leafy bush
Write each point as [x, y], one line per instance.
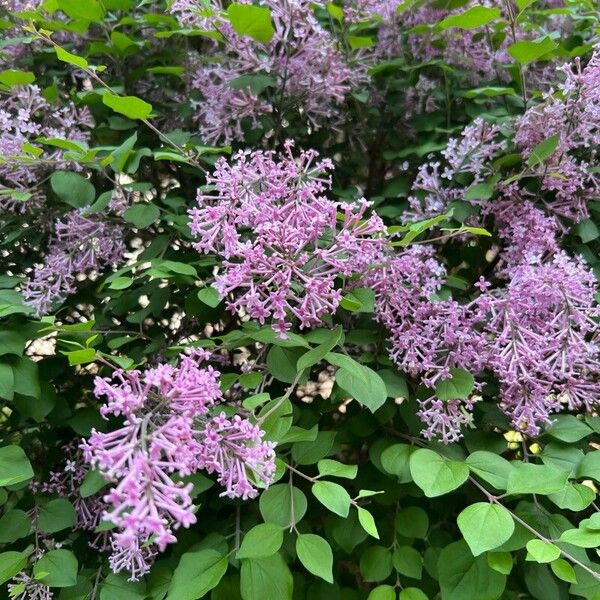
[299, 299]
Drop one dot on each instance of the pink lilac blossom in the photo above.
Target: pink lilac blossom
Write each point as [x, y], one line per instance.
[528, 233]
[26, 115]
[573, 116]
[309, 74]
[167, 431]
[79, 245]
[428, 336]
[285, 244]
[469, 154]
[544, 341]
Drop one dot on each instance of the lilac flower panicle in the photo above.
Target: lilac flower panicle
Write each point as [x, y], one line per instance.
[24, 116]
[428, 337]
[283, 241]
[544, 342]
[302, 60]
[167, 433]
[80, 245]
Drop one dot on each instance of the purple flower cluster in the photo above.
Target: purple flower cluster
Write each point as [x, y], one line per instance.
[428, 336]
[301, 62]
[66, 484]
[470, 154]
[167, 431]
[574, 116]
[285, 244]
[544, 342]
[26, 115]
[80, 245]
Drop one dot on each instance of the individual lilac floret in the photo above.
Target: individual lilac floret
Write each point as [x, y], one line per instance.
[284, 243]
[167, 431]
[80, 245]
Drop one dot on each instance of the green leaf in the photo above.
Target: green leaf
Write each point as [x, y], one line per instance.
[90, 10]
[435, 475]
[27, 380]
[463, 576]
[14, 525]
[332, 496]
[500, 561]
[376, 563]
[130, 106]
[209, 296]
[490, 467]
[485, 526]
[590, 465]
[120, 283]
[573, 496]
[412, 522]
[60, 567]
[527, 51]
[395, 459]
[261, 541]
[14, 466]
[543, 150]
[254, 21]
[459, 386]
[568, 428]
[336, 469]
[196, 574]
[92, 482]
[265, 578]
[72, 188]
[476, 16]
[71, 59]
[395, 384]
[364, 385]
[7, 382]
[360, 41]
[541, 552]
[587, 230]
[563, 570]
[12, 77]
[383, 592]
[315, 554]
[10, 564]
[408, 561]
[121, 154]
[282, 505]
[256, 82]
[583, 538]
[116, 587]
[367, 522]
[142, 215]
[315, 355]
[81, 357]
[56, 515]
[527, 478]
[308, 453]
[412, 593]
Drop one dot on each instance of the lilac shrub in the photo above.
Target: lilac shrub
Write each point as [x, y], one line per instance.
[299, 300]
